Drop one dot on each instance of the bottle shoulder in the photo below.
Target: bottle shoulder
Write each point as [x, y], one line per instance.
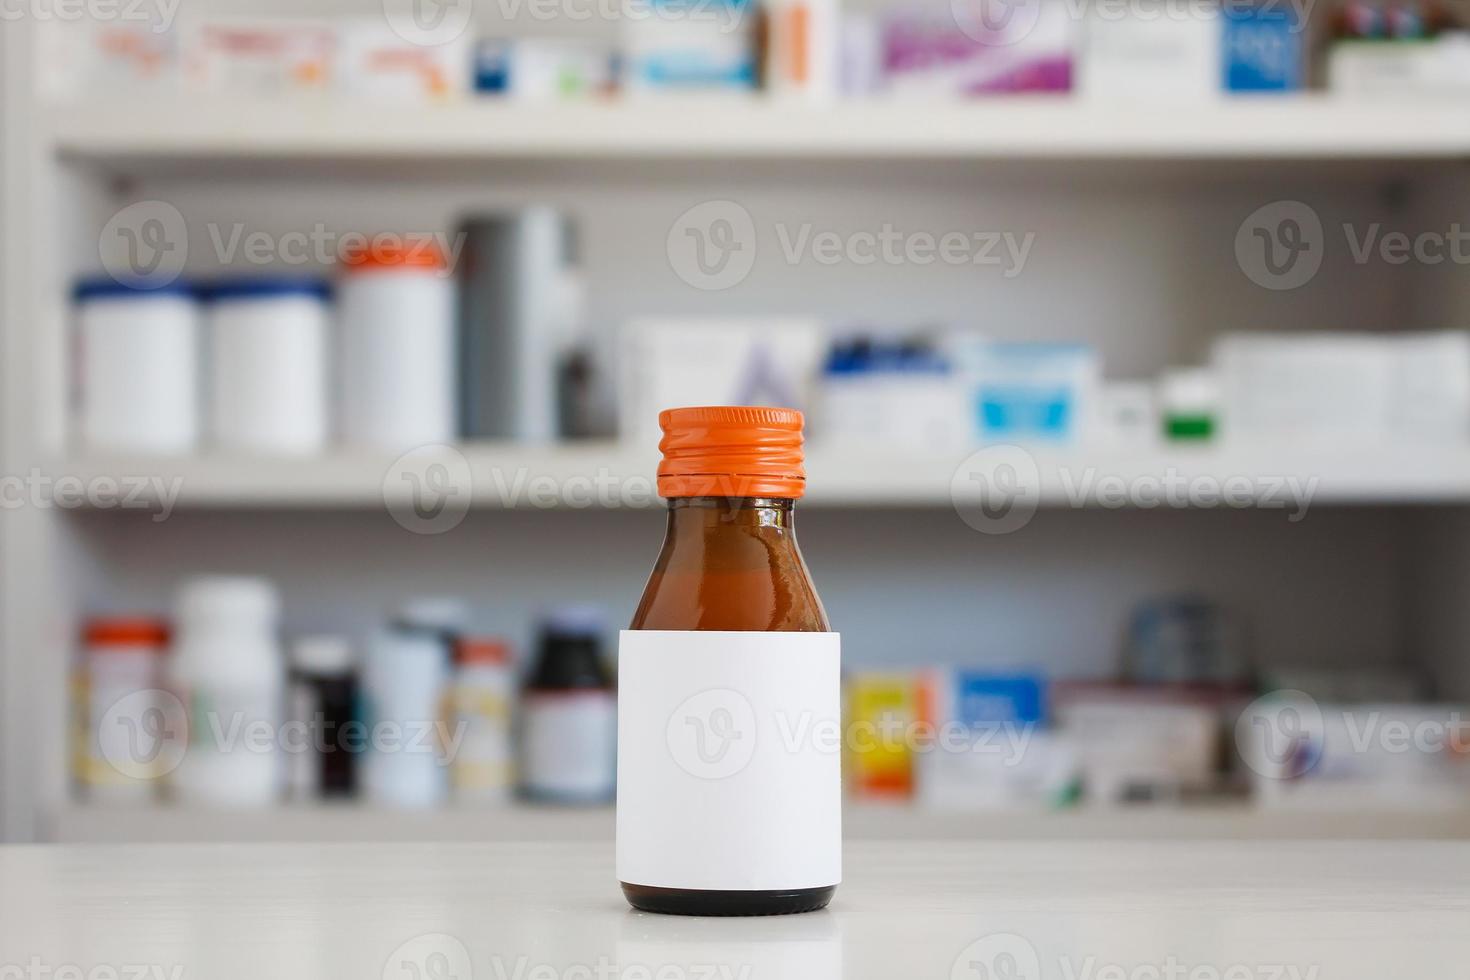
[775, 597]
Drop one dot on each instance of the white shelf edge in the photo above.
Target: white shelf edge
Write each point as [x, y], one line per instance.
[608, 476]
[350, 822]
[1309, 126]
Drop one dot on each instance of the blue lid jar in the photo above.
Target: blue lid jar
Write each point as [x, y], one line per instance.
[245, 290]
[105, 287]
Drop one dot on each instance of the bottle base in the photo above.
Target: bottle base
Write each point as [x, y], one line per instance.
[692, 901]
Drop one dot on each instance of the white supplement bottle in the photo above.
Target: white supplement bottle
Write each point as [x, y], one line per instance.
[405, 682]
[229, 670]
[395, 310]
[484, 690]
[268, 366]
[126, 710]
[138, 358]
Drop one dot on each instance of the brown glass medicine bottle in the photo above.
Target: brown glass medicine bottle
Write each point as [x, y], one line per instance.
[730, 565]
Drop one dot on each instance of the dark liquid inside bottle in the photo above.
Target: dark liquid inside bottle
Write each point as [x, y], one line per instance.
[729, 564]
[337, 697]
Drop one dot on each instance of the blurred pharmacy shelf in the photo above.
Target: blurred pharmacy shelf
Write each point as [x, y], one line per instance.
[1311, 127]
[1140, 268]
[607, 475]
[348, 822]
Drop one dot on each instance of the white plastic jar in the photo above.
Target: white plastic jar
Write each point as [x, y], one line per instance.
[126, 710]
[139, 367]
[268, 342]
[395, 310]
[405, 682]
[229, 670]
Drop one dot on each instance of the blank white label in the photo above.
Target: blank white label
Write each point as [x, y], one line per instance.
[729, 760]
[566, 741]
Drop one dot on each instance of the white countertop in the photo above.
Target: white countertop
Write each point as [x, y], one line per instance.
[1012, 911]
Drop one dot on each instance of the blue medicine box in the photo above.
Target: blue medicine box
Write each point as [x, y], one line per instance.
[1033, 392]
[1263, 48]
[983, 699]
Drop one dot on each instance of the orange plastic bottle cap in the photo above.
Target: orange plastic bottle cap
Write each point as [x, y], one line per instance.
[394, 252]
[731, 451]
[489, 650]
[126, 631]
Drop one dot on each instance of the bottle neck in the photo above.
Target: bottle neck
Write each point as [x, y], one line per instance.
[691, 517]
[730, 564]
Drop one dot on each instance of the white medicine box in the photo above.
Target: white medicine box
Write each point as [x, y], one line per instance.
[1154, 52]
[676, 362]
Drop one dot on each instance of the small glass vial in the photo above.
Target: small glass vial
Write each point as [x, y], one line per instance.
[729, 771]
